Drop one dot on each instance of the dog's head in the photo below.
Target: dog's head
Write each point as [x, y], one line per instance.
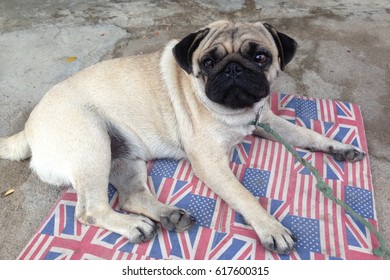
[234, 64]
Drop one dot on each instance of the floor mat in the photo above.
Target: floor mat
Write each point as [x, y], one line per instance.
[266, 169]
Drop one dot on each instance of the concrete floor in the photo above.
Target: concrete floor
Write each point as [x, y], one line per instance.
[344, 54]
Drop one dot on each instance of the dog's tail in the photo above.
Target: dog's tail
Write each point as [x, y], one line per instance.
[15, 147]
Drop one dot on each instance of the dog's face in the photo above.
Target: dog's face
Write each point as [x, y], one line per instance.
[233, 65]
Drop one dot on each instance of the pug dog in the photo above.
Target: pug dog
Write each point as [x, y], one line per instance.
[195, 99]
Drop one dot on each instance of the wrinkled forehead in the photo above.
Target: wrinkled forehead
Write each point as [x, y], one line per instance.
[233, 37]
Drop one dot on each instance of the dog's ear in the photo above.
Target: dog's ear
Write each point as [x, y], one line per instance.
[286, 45]
[185, 48]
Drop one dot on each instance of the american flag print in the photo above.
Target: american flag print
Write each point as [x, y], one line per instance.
[280, 183]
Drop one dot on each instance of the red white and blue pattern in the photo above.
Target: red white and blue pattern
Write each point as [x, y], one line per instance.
[282, 186]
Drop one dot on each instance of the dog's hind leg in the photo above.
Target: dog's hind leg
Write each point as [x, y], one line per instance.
[91, 179]
[80, 154]
[94, 209]
[129, 177]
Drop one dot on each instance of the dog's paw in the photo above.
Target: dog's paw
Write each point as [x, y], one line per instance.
[178, 220]
[348, 153]
[142, 229]
[277, 239]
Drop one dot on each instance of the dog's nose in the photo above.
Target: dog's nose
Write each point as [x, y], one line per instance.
[233, 69]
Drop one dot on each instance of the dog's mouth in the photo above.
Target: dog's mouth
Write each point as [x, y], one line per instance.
[237, 98]
[237, 91]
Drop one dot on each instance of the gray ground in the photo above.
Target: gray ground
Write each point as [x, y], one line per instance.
[344, 54]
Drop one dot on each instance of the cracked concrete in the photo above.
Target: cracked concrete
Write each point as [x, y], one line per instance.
[344, 53]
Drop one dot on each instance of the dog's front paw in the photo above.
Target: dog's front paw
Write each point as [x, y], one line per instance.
[178, 220]
[276, 238]
[348, 153]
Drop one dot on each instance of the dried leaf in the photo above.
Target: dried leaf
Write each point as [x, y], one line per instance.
[72, 58]
[7, 193]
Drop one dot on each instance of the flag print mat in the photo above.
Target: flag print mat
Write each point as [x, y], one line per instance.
[282, 186]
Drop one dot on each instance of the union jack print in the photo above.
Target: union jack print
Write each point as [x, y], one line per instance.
[283, 105]
[285, 188]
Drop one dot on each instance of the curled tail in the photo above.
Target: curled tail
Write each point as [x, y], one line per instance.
[15, 147]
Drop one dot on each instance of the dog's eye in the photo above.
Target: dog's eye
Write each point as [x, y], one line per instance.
[261, 58]
[208, 63]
